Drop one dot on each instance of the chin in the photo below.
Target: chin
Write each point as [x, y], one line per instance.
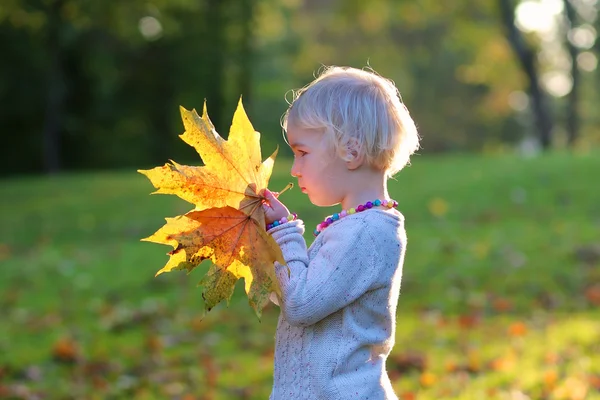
[322, 202]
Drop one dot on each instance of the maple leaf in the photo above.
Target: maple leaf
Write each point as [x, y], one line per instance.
[227, 225]
[233, 174]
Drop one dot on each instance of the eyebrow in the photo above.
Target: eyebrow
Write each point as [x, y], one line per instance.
[296, 144]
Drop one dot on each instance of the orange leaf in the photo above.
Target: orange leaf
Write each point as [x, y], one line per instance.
[592, 294]
[234, 242]
[517, 329]
[550, 378]
[468, 321]
[502, 305]
[409, 396]
[427, 379]
[594, 381]
[65, 350]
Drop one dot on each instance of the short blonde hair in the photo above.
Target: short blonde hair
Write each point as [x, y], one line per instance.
[353, 105]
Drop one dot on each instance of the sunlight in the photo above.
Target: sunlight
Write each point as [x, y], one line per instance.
[557, 83]
[538, 15]
[583, 36]
[150, 28]
[518, 100]
[587, 61]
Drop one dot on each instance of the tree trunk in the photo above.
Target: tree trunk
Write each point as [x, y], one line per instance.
[55, 97]
[573, 98]
[527, 59]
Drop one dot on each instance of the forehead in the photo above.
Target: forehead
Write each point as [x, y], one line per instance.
[298, 137]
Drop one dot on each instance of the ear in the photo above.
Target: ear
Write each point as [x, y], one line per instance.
[355, 157]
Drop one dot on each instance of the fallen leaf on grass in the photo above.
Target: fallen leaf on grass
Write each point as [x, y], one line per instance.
[438, 207]
[592, 294]
[502, 305]
[427, 379]
[517, 329]
[594, 381]
[468, 321]
[65, 350]
[550, 379]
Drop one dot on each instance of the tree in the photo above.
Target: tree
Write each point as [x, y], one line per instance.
[527, 59]
[573, 97]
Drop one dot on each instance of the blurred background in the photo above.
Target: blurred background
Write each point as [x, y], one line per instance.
[501, 289]
[96, 85]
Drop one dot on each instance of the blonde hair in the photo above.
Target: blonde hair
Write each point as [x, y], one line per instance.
[357, 109]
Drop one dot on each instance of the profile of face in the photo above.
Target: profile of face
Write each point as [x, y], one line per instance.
[321, 174]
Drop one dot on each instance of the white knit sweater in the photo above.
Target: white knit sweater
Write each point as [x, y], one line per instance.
[338, 309]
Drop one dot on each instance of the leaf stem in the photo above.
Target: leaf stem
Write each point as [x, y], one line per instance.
[287, 187]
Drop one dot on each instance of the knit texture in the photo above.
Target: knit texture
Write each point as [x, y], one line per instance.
[338, 308]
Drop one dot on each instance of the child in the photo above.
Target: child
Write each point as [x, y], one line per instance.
[349, 133]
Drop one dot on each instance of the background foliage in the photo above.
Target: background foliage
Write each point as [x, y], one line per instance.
[90, 84]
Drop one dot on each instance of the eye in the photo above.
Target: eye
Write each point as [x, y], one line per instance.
[302, 153]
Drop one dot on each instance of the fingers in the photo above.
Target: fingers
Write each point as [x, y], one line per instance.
[273, 208]
[269, 194]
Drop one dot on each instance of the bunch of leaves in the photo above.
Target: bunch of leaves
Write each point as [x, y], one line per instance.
[227, 225]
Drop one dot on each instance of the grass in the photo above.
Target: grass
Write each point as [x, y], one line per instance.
[500, 294]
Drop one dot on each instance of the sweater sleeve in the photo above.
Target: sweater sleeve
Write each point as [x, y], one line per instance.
[343, 269]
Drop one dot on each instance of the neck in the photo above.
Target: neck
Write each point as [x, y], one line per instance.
[372, 186]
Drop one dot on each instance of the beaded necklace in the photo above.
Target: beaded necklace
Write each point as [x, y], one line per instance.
[344, 213]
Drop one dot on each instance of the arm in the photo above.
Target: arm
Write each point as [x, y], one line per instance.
[345, 268]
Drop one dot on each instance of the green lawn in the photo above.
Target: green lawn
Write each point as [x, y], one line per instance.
[500, 295]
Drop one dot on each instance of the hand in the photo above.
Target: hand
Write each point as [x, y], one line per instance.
[274, 209]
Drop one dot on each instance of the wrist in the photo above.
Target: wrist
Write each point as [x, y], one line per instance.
[289, 218]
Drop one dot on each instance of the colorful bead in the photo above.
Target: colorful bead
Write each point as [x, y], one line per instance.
[360, 208]
[282, 221]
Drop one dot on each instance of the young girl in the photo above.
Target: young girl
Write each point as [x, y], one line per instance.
[349, 133]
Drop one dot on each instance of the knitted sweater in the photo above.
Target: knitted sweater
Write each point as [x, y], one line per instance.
[338, 308]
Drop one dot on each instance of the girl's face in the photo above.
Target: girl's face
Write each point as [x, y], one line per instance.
[320, 173]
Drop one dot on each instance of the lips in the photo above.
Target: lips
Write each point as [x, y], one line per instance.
[303, 189]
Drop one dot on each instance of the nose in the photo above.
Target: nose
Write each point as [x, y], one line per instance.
[295, 170]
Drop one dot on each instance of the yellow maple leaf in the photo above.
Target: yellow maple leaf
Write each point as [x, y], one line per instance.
[232, 175]
[227, 225]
